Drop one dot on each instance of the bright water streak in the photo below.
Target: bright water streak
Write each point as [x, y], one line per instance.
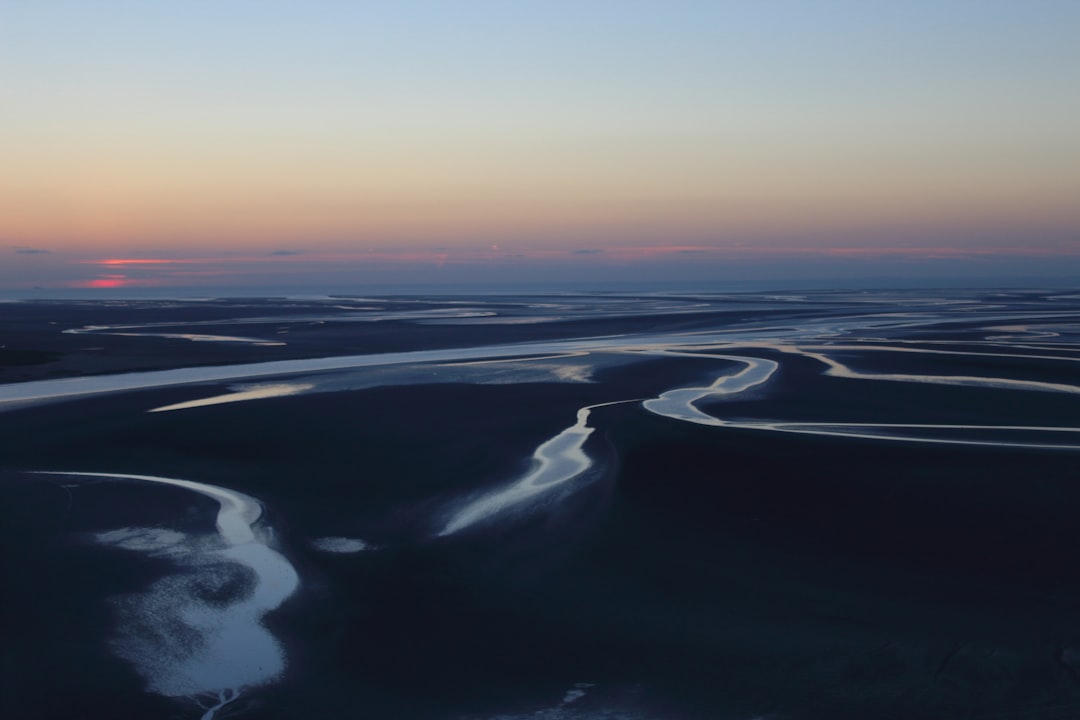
[258, 392]
[555, 462]
[679, 403]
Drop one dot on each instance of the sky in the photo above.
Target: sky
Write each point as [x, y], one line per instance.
[350, 144]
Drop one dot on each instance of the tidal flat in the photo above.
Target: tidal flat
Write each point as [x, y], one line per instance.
[811, 506]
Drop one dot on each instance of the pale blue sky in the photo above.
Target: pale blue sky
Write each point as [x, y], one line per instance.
[502, 132]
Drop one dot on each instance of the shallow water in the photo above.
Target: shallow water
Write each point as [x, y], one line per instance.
[184, 646]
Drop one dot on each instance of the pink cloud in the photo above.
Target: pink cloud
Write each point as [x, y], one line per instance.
[112, 282]
[112, 262]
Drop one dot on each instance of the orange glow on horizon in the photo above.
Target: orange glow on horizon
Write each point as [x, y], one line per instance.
[364, 264]
[620, 253]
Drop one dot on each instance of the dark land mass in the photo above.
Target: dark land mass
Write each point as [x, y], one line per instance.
[691, 572]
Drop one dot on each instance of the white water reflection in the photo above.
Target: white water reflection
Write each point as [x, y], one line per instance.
[192, 337]
[838, 369]
[257, 392]
[199, 632]
[925, 433]
[20, 394]
[555, 462]
[679, 403]
[341, 545]
[161, 542]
